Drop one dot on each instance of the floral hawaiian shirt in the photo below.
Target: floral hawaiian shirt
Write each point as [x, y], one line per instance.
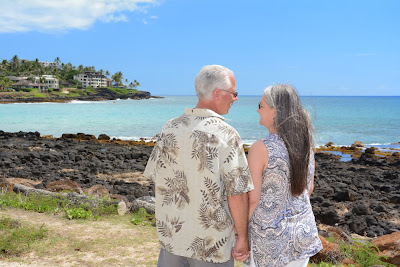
[196, 164]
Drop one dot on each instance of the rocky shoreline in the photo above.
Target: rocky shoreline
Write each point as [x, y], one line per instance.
[101, 95]
[360, 196]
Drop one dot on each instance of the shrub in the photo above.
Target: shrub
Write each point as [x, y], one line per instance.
[363, 253]
[78, 213]
[143, 218]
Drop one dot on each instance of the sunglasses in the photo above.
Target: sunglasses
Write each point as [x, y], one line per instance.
[235, 94]
[259, 105]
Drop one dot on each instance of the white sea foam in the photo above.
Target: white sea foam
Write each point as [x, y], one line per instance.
[87, 102]
[132, 138]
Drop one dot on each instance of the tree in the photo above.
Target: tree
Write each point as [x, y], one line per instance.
[58, 61]
[134, 84]
[5, 83]
[117, 78]
[14, 62]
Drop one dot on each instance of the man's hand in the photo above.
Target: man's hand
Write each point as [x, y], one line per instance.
[241, 250]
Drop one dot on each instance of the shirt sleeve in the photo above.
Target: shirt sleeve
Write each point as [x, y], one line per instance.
[151, 166]
[235, 171]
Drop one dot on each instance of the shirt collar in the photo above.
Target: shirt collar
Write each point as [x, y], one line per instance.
[202, 112]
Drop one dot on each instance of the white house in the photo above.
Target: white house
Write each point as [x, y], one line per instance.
[49, 80]
[92, 79]
[46, 64]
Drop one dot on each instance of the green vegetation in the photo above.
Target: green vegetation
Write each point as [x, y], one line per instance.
[78, 213]
[123, 91]
[99, 231]
[63, 72]
[362, 252]
[322, 264]
[90, 90]
[16, 238]
[143, 218]
[49, 204]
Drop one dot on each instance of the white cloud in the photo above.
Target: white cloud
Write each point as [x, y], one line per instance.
[61, 15]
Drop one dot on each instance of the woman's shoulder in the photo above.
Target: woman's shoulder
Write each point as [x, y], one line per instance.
[271, 139]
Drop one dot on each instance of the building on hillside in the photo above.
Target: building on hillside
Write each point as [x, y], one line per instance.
[46, 64]
[92, 79]
[65, 83]
[50, 80]
[28, 84]
[109, 82]
[16, 79]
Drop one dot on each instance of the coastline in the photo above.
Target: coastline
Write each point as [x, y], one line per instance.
[101, 94]
[360, 196]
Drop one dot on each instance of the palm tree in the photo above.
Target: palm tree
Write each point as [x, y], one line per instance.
[5, 83]
[117, 78]
[135, 84]
[57, 60]
[14, 62]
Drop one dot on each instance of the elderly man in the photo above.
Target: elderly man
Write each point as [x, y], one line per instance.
[202, 179]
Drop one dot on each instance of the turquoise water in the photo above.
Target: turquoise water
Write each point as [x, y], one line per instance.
[342, 120]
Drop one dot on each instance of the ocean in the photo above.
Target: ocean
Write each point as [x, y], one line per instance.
[341, 120]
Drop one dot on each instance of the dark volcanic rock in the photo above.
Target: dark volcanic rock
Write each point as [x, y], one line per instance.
[75, 157]
[360, 196]
[366, 187]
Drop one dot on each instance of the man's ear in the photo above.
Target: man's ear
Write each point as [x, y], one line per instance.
[216, 93]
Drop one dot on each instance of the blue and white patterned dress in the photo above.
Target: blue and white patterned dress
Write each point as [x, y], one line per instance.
[282, 228]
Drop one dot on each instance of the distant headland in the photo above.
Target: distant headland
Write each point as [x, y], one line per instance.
[25, 81]
[94, 94]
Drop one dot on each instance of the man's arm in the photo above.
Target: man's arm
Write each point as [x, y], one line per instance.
[239, 208]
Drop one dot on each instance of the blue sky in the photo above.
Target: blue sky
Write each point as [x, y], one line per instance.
[320, 47]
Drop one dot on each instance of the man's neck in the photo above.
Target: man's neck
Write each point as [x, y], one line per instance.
[207, 104]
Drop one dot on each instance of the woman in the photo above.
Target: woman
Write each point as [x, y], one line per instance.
[282, 230]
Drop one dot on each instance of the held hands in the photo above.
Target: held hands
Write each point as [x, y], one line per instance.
[241, 250]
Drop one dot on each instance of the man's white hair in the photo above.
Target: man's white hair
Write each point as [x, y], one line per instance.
[212, 77]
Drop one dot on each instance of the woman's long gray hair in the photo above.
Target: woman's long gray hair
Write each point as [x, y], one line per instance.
[293, 125]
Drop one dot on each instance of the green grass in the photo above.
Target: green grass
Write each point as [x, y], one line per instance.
[363, 253]
[323, 264]
[123, 91]
[39, 95]
[90, 90]
[49, 204]
[17, 238]
[28, 90]
[76, 93]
